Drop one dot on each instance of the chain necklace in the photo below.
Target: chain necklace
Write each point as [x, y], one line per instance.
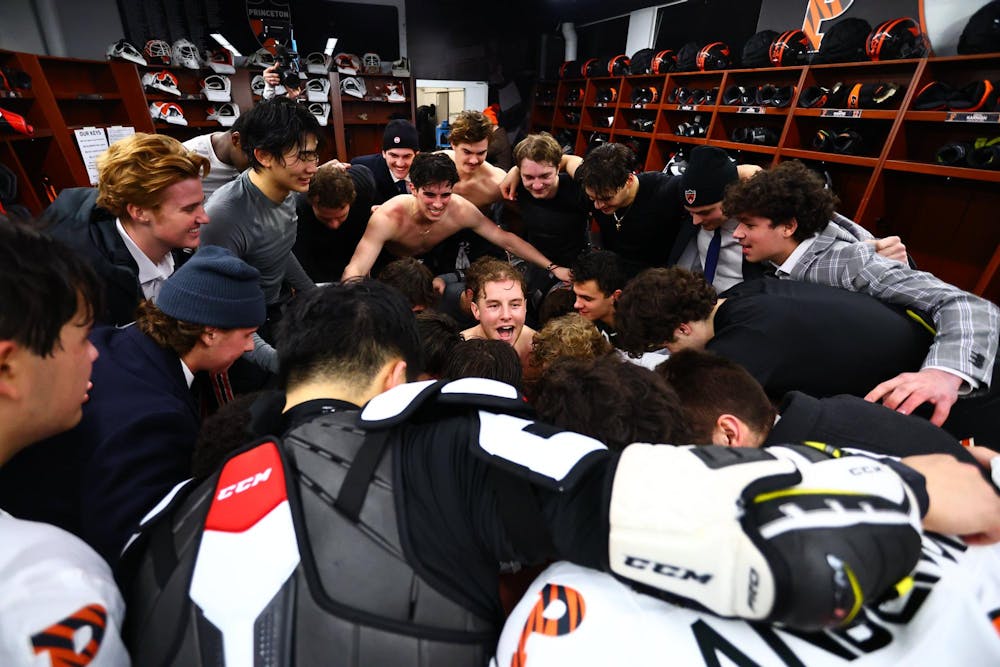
[618, 218]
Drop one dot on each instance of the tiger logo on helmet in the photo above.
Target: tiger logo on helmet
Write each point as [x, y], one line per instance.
[896, 39]
[789, 48]
[713, 56]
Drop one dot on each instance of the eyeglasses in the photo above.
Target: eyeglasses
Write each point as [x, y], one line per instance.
[308, 156]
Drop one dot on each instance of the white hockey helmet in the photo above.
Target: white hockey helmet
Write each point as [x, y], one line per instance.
[220, 60]
[163, 80]
[401, 67]
[260, 58]
[321, 111]
[318, 90]
[167, 111]
[186, 54]
[318, 63]
[257, 85]
[347, 63]
[353, 86]
[225, 114]
[216, 88]
[394, 92]
[125, 51]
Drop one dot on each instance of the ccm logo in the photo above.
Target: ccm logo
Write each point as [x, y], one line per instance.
[666, 569]
[243, 485]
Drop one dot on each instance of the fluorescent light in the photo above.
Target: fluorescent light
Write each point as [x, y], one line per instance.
[217, 36]
[331, 44]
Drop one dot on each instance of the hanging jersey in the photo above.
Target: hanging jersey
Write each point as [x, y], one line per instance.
[574, 616]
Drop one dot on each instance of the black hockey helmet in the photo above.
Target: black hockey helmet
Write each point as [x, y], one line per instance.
[641, 61]
[895, 39]
[789, 48]
[713, 56]
[982, 33]
[664, 61]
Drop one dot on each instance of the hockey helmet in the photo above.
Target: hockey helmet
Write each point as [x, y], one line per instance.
[371, 63]
[224, 114]
[163, 80]
[186, 54]
[318, 63]
[353, 86]
[167, 111]
[216, 88]
[713, 56]
[220, 61]
[895, 39]
[157, 52]
[789, 48]
[664, 61]
[125, 51]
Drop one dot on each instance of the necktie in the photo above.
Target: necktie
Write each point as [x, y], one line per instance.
[401, 186]
[712, 256]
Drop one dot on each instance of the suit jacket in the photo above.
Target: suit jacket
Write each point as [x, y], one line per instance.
[385, 186]
[132, 446]
[967, 326]
[850, 421]
[76, 219]
[839, 227]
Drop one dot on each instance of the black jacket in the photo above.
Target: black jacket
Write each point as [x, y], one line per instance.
[76, 219]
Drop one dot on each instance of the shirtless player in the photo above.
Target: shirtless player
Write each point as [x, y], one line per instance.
[498, 302]
[409, 225]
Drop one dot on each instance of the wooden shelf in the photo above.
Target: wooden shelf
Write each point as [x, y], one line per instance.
[839, 158]
[943, 170]
[899, 147]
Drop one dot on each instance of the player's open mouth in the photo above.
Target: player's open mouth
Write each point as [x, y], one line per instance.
[505, 333]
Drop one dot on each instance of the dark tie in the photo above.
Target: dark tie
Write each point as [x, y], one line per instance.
[401, 186]
[712, 256]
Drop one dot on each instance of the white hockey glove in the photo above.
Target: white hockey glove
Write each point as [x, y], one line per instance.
[762, 534]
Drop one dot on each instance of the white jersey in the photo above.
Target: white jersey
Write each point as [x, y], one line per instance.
[575, 616]
[59, 604]
[220, 172]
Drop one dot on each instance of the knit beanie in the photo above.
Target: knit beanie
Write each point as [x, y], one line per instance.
[709, 171]
[215, 288]
[400, 134]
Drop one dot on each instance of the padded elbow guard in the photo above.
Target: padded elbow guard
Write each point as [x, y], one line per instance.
[765, 535]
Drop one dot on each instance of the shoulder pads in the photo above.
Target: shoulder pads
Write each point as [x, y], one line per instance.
[400, 403]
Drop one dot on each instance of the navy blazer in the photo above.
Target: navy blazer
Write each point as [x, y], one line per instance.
[132, 446]
[385, 185]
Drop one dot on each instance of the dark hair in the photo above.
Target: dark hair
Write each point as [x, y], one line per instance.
[42, 285]
[557, 302]
[411, 277]
[346, 332]
[612, 400]
[484, 358]
[656, 302]
[606, 169]
[709, 386]
[331, 187]
[230, 427]
[470, 127]
[431, 169]
[166, 331]
[276, 126]
[790, 190]
[439, 335]
[603, 267]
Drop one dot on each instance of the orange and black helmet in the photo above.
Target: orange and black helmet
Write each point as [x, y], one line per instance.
[789, 48]
[895, 39]
[713, 56]
[664, 61]
[619, 66]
